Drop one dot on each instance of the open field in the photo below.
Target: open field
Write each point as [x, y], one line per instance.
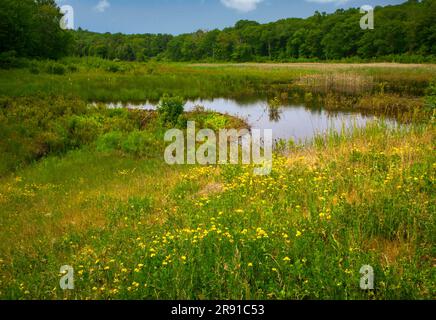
[321, 66]
[87, 187]
[135, 228]
[95, 79]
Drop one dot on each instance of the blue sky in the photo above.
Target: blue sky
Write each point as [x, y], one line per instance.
[182, 16]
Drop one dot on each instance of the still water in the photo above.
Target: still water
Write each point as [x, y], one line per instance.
[295, 122]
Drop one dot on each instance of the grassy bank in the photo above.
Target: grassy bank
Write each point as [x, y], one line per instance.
[33, 128]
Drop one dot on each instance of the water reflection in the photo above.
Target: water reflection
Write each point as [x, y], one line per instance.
[274, 114]
[289, 122]
[274, 110]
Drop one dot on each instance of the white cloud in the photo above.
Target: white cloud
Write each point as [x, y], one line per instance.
[241, 5]
[102, 6]
[329, 1]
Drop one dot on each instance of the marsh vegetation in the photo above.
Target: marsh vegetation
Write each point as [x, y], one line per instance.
[85, 185]
[83, 181]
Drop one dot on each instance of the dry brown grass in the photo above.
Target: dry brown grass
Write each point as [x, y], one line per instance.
[388, 103]
[391, 250]
[211, 189]
[349, 83]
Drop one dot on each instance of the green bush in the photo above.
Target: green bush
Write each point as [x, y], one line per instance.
[9, 60]
[215, 121]
[118, 112]
[82, 130]
[170, 109]
[56, 68]
[137, 143]
[430, 99]
[73, 68]
[110, 141]
[55, 139]
[113, 68]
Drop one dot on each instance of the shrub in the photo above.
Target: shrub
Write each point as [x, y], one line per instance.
[118, 112]
[119, 120]
[56, 68]
[9, 60]
[110, 141]
[170, 109]
[137, 143]
[113, 68]
[73, 68]
[54, 139]
[82, 130]
[430, 100]
[215, 121]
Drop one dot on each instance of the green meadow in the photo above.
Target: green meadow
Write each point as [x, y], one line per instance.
[87, 186]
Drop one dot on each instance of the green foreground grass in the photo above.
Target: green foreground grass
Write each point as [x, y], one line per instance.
[136, 229]
[92, 191]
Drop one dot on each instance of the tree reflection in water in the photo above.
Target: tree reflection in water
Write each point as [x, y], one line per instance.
[274, 109]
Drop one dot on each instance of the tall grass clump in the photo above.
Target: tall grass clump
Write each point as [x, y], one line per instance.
[345, 83]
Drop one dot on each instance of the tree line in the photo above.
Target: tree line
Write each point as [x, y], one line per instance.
[405, 29]
[409, 28]
[30, 28]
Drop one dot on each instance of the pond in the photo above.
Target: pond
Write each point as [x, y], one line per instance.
[296, 122]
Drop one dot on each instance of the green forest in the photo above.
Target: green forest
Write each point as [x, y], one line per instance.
[403, 33]
[30, 28]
